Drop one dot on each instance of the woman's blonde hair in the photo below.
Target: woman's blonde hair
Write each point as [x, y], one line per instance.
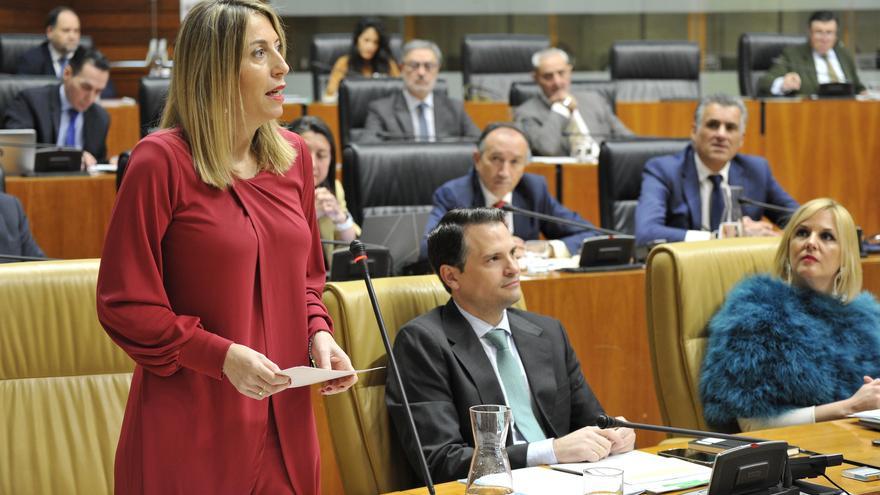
[204, 97]
[848, 283]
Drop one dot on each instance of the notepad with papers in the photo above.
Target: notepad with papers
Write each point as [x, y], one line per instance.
[644, 472]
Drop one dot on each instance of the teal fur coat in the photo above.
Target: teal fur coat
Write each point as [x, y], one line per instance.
[773, 348]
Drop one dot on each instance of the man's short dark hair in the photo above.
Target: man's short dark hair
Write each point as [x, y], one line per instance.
[446, 242]
[52, 18]
[822, 16]
[82, 55]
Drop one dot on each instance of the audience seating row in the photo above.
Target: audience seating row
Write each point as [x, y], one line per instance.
[13, 45]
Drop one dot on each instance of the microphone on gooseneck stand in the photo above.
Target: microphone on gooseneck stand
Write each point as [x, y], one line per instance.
[767, 206]
[501, 205]
[359, 253]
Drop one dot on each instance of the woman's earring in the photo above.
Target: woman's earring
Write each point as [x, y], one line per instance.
[786, 272]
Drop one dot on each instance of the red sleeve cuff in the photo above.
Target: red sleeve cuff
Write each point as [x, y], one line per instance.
[205, 352]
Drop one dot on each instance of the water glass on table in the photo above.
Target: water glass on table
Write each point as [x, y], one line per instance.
[603, 481]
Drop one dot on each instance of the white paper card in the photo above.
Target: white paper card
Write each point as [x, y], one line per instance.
[300, 376]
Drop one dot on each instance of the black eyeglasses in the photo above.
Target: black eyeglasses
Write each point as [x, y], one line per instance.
[429, 66]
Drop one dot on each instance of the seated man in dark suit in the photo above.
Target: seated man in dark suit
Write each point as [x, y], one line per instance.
[15, 235]
[68, 114]
[498, 175]
[682, 196]
[52, 56]
[802, 68]
[417, 113]
[560, 122]
[476, 349]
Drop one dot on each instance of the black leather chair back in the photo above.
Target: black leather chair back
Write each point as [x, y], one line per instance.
[620, 177]
[392, 178]
[12, 45]
[2, 181]
[656, 70]
[152, 93]
[756, 53]
[11, 85]
[121, 167]
[355, 96]
[522, 91]
[491, 62]
[327, 47]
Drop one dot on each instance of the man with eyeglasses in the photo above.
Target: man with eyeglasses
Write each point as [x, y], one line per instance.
[417, 113]
[802, 68]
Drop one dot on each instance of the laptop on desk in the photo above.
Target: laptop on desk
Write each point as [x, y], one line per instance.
[17, 148]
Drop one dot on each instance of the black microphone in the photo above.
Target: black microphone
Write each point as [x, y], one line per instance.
[561, 221]
[359, 255]
[333, 242]
[16, 257]
[605, 422]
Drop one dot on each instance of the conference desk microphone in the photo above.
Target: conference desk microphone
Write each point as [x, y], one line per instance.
[767, 206]
[503, 205]
[359, 255]
[760, 457]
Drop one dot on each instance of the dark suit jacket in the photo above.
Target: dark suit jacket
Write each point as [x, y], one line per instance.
[445, 371]
[40, 109]
[670, 205]
[799, 58]
[530, 194]
[389, 119]
[37, 60]
[546, 128]
[15, 234]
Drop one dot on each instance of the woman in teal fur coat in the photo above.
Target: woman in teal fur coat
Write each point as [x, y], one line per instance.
[802, 346]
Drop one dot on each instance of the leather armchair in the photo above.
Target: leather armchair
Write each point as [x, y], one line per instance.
[656, 70]
[355, 96]
[400, 177]
[11, 85]
[63, 383]
[13, 45]
[620, 177]
[363, 438]
[756, 53]
[522, 91]
[686, 283]
[491, 62]
[152, 93]
[326, 48]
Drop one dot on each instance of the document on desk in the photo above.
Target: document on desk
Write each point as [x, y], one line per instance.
[648, 472]
[300, 376]
[541, 481]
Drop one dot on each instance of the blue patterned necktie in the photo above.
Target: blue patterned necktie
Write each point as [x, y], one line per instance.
[423, 123]
[70, 135]
[62, 63]
[515, 387]
[716, 203]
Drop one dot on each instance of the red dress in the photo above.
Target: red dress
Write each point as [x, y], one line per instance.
[187, 270]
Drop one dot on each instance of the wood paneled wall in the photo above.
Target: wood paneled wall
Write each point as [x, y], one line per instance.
[121, 29]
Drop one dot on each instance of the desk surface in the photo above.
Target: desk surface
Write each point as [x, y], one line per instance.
[844, 436]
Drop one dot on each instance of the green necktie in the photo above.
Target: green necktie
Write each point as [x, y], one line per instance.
[515, 387]
[832, 74]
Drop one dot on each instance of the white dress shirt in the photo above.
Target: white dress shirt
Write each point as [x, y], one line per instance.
[412, 103]
[540, 452]
[56, 60]
[703, 173]
[490, 201]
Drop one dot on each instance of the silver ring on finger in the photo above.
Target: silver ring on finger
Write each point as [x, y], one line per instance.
[261, 393]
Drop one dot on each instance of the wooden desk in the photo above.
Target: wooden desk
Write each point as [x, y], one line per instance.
[125, 125]
[484, 113]
[843, 436]
[68, 215]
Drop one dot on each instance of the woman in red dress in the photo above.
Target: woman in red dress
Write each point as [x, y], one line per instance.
[212, 273]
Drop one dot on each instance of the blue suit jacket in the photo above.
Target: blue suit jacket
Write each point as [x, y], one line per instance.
[15, 235]
[530, 194]
[669, 204]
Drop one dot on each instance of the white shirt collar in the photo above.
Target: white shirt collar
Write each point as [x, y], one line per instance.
[480, 327]
[704, 172]
[412, 102]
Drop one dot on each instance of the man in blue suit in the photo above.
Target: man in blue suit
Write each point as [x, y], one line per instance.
[682, 196]
[498, 175]
[15, 234]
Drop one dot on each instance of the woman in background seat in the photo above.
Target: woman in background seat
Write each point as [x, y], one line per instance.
[800, 346]
[369, 56]
[334, 220]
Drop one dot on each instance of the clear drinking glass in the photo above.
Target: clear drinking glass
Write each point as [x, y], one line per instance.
[603, 481]
[490, 468]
